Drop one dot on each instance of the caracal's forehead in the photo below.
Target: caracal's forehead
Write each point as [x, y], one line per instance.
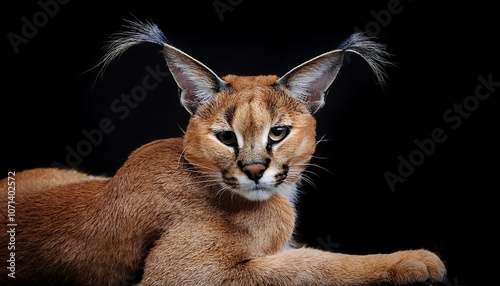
[253, 103]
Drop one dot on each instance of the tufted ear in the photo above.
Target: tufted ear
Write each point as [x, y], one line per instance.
[197, 83]
[309, 82]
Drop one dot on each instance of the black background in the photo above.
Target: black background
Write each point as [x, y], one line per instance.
[447, 204]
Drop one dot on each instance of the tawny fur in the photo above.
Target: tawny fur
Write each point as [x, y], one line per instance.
[167, 215]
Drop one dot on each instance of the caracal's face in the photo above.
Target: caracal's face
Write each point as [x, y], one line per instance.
[253, 139]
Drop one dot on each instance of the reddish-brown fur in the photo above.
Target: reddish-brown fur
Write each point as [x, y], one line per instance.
[168, 215]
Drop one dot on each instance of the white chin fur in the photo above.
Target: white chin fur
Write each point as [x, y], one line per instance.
[256, 195]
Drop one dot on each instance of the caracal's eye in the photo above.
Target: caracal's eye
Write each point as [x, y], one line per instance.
[278, 133]
[227, 137]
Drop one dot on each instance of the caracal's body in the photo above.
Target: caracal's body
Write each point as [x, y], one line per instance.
[212, 208]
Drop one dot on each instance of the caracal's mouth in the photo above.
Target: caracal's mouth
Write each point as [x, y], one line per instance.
[256, 193]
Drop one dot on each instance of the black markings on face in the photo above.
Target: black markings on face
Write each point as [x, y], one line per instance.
[269, 147]
[229, 115]
[281, 176]
[231, 181]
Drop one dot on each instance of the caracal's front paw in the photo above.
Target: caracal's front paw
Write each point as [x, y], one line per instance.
[416, 266]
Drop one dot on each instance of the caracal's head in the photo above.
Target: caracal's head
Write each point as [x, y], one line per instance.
[251, 135]
[253, 138]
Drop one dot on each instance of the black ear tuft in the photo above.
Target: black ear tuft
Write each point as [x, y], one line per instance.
[310, 81]
[197, 83]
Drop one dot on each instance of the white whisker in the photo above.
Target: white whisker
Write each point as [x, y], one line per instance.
[214, 181]
[310, 172]
[318, 157]
[322, 139]
[200, 167]
[179, 160]
[308, 180]
[221, 191]
[314, 165]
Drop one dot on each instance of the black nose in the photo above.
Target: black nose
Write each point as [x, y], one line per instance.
[254, 171]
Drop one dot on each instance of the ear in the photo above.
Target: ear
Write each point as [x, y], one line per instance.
[197, 83]
[309, 82]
